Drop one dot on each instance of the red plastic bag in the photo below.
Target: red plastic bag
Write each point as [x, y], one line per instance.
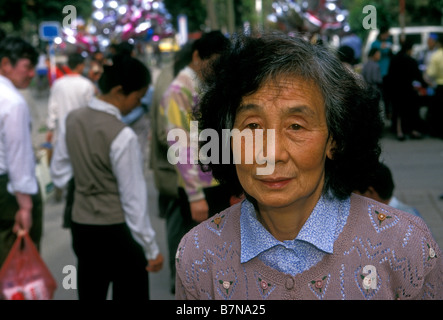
[24, 275]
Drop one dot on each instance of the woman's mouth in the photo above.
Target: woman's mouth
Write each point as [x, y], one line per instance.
[276, 183]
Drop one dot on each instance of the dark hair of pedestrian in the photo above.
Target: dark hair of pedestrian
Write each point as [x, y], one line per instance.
[373, 51]
[383, 29]
[74, 59]
[346, 54]
[406, 45]
[183, 57]
[125, 48]
[351, 107]
[126, 71]
[15, 48]
[382, 182]
[210, 43]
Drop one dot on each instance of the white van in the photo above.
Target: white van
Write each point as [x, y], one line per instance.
[419, 36]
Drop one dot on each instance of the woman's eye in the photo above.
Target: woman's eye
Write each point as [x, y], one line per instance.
[253, 126]
[295, 126]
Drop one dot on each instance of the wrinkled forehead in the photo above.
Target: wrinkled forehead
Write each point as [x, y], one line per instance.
[287, 86]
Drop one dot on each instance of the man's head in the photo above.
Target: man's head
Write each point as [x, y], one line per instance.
[380, 186]
[76, 62]
[17, 61]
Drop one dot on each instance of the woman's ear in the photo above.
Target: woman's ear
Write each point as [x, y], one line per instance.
[331, 148]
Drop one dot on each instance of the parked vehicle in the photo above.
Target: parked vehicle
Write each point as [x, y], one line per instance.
[419, 35]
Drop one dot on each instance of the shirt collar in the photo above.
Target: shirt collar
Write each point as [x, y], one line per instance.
[321, 229]
[104, 106]
[7, 82]
[193, 75]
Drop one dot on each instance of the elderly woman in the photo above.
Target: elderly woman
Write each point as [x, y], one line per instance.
[300, 233]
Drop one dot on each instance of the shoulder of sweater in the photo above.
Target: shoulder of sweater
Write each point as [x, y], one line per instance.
[390, 224]
[218, 229]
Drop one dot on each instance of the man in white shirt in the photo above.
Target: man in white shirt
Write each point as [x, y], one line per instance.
[20, 202]
[68, 93]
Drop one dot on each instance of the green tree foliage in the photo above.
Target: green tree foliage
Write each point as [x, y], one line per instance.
[18, 12]
[193, 9]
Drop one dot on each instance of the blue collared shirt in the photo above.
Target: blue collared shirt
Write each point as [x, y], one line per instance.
[315, 239]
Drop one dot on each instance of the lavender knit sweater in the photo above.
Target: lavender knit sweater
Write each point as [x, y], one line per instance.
[382, 253]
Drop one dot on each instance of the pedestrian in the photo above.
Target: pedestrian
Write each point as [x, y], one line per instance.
[68, 93]
[95, 68]
[435, 72]
[352, 40]
[137, 119]
[165, 174]
[371, 70]
[56, 71]
[42, 73]
[381, 187]
[346, 56]
[200, 195]
[21, 206]
[384, 44]
[112, 235]
[300, 233]
[403, 71]
[424, 57]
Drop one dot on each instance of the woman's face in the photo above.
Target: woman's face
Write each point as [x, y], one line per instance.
[294, 109]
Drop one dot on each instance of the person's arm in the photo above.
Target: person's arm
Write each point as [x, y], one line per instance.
[23, 217]
[21, 163]
[177, 107]
[60, 167]
[20, 157]
[127, 166]
[51, 120]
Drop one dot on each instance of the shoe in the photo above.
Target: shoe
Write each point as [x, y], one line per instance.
[401, 137]
[416, 135]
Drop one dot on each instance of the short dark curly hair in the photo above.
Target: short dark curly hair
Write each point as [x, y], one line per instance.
[352, 112]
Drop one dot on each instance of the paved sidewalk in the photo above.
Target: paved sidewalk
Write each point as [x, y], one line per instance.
[417, 169]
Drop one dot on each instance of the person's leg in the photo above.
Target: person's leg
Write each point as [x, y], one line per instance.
[130, 279]
[36, 231]
[174, 232]
[8, 209]
[90, 247]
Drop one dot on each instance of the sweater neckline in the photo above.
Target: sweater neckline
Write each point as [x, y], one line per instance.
[317, 271]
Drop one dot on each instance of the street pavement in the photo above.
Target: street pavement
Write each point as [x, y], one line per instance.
[417, 167]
